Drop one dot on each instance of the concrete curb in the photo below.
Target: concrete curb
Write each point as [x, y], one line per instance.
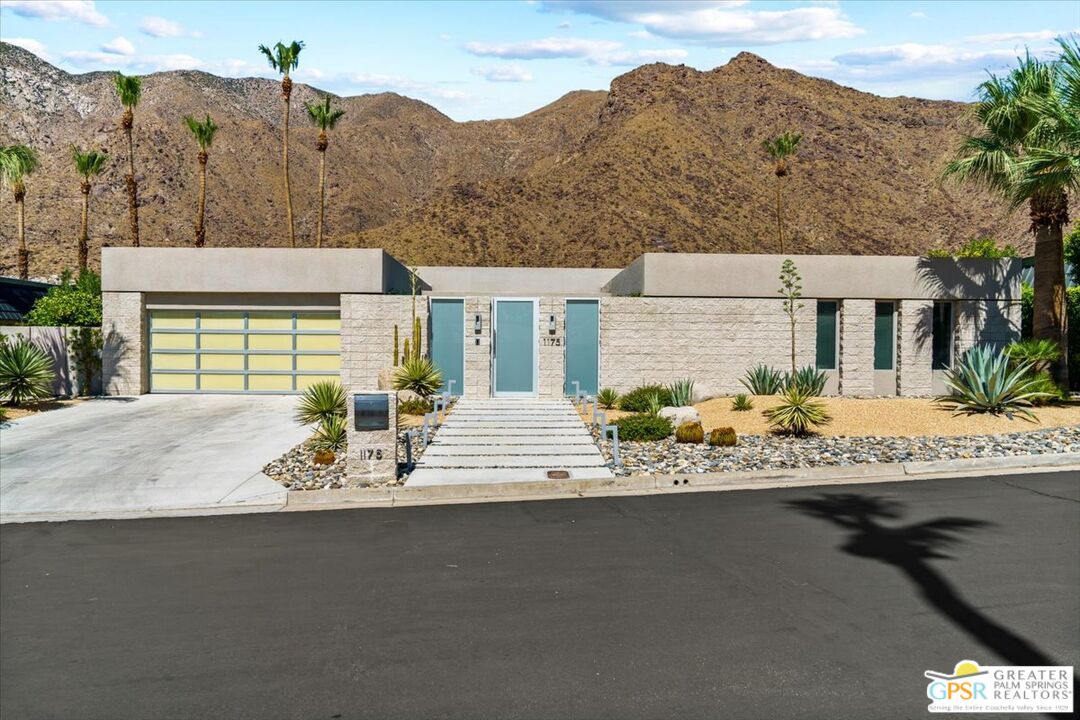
[663, 484]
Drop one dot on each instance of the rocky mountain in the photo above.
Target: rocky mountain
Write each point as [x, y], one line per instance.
[668, 160]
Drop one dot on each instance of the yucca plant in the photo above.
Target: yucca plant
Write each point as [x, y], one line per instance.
[985, 382]
[742, 403]
[762, 380]
[654, 404]
[330, 436]
[320, 402]
[419, 375]
[809, 379]
[682, 392]
[608, 398]
[798, 413]
[26, 372]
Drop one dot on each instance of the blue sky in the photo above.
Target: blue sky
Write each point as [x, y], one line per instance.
[476, 60]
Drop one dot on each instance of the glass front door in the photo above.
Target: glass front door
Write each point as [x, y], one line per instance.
[582, 346]
[515, 348]
[448, 343]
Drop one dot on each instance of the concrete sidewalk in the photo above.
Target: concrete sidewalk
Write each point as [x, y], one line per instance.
[146, 456]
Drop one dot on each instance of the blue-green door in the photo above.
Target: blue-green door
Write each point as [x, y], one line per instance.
[515, 347]
[582, 346]
[448, 342]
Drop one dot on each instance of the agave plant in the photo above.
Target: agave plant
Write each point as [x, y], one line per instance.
[742, 403]
[331, 435]
[321, 402]
[798, 413]
[419, 375]
[762, 380]
[608, 398]
[985, 382]
[26, 372]
[682, 392]
[654, 403]
[810, 380]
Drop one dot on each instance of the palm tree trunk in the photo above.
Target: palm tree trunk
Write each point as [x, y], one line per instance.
[24, 254]
[1050, 321]
[84, 235]
[132, 191]
[779, 222]
[200, 226]
[285, 160]
[322, 196]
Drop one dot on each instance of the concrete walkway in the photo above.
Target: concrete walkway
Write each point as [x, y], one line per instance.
[496, 440]
[151, 455]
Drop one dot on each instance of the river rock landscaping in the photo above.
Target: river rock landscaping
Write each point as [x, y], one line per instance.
[296, 469]
[776, 452]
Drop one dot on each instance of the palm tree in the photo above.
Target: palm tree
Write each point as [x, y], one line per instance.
[285, 58]
[129, 89]
[204, 136]
[325, 119]
[1027, 149]
[780, 149]
[89, 165]
[16, 162]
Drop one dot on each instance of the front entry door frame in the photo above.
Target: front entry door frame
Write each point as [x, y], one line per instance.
[535, 346]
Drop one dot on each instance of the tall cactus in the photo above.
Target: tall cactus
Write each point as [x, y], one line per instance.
[396, 356]
[407, 355]
[416, 342]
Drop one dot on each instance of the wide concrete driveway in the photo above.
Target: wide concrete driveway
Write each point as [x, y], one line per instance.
[125, 457]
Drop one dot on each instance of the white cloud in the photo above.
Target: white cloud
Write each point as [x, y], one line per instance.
[719, 22]
[1036, 36]
[378, 82]
[503, 73]
[638, 57]
[563, 26]
[35, 46]
[547, 48]
[640, 34]
[119, 46]
[90, 59]
[52, 10]
[160, 27]
[918, 15]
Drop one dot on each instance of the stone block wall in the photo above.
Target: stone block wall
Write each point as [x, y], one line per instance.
[478, 354]
[371, 456]
[986, 322]
[915, 347]
[857, 347]
[367, 335]
[710, 340]
[124, 356]
[552, 373]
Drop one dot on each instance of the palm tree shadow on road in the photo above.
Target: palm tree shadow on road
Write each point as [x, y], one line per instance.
[909, 548]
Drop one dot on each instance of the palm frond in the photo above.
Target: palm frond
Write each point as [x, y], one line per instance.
[283, 58]
[128, 88]
[322, 115]
[203, 130]
[90, 163]
[16, 162]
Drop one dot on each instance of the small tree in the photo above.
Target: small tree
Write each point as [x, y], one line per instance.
[791, 290]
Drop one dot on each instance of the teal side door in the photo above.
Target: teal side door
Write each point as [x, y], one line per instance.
[582, 346]
[515, 347]
[448, 342]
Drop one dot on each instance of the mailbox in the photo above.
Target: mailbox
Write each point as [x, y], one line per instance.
[372, 411]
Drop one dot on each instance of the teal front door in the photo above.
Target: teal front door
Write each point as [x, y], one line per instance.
[582, 346]
[515, 348]
[448, 342]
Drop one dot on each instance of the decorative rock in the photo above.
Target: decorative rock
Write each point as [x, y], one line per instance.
[386, 379]
[680, 415]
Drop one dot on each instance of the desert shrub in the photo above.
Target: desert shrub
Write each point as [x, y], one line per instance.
[331, 435]
[742, 403]
[985, 382]
[762, 380]
[1039, 354]
[608, 398]
[682, 392]
[798, 413]
[643, 427]
[321, 401]
[415, 406]
[72, 302]
[984, 247]
[1072, 312]
[1043, 382]
[808, 379]
[86, 344]
[723, 437]
[637, 400]
[26, 372]
[653, 405]
[419, 375]
[690, 432]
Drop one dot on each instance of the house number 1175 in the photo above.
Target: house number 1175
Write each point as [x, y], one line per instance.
[552, 341]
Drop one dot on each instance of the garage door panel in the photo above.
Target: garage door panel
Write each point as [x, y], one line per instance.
[239, 351]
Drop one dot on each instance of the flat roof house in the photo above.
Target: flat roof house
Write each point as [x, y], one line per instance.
[270, 320]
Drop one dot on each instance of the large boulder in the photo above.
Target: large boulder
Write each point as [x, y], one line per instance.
[386, 378]
[680, 415]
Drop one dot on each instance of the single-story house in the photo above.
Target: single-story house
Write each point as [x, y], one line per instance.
[273, 320]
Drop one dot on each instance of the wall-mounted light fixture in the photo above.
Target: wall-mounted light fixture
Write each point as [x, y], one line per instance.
[477, 323]
[551, 324]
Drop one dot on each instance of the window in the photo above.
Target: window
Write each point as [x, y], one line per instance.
[942, 335]
[826, 334]
[884, 335]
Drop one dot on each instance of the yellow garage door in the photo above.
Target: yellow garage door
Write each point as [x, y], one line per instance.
[233, 351]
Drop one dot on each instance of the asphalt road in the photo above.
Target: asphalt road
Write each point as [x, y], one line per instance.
[813, 602]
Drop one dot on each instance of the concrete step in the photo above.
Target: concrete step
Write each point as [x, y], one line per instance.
[451, 476]
[507, 450]
[512, 461]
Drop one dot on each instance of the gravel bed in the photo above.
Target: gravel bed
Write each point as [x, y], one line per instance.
[296, 469]
[774, 452]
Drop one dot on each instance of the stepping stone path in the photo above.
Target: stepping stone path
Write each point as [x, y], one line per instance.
[504, 440]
